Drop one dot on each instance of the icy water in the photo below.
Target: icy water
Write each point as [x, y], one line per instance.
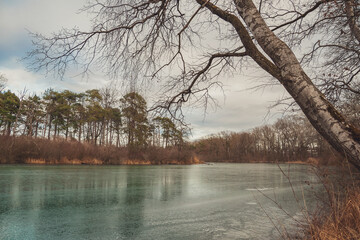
[218, 201]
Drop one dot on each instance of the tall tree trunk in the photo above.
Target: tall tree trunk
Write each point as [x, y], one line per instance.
[83, 131]
[103, 132]
[8, 129]
[79, 138]
[88, 132]
[36, 128]
[46, 121]
[4, 129]
[55, 130]
[344, 137]
[110, 133]
[17, 116]
[29, 121]
[94, 137]
[67, 129]
[118, 139]
[49, 131]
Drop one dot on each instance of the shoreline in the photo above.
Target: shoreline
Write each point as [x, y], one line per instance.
[311, 161]
[97, 162]
[193, 161]
[138, 163]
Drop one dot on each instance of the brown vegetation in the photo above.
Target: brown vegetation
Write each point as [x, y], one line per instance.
[42, 151]
[291, 139]
[342, 219]
[336, 215]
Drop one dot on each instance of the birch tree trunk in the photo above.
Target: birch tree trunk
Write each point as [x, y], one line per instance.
[344, 137]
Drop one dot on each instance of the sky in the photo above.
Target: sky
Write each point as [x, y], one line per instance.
[240, 108]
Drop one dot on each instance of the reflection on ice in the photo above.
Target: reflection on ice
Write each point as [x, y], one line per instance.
[219, 201]
[258, 189]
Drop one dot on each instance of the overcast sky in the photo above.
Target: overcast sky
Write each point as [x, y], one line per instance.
[239, 109]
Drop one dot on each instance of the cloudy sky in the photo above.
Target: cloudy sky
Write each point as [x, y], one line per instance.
[239, 108]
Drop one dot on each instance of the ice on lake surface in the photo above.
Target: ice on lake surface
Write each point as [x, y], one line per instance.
[218, 201]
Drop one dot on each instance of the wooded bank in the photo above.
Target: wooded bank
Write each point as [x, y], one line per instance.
[93, 127]
[28, 150]
[99, 127]
[291, 138]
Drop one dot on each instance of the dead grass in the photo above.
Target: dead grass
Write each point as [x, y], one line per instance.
[64, 160]
[42, 151]
[337, 213]
[341, 221]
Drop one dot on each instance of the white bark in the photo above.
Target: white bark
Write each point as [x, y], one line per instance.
[322, 115]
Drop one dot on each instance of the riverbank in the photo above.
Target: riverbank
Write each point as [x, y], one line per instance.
[339, 218]
[337, 212]
[313, 161]
[26, 150]
[94, 161]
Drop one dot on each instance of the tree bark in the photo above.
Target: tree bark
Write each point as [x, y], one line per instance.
[67, 129]
[55, 130]
[49, 131]
[341, 135]
[8, 129]
[355, 30]
[79, 137]
[36, 128]
[17, 116]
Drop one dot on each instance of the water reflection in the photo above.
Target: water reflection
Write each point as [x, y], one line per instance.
[133, 211]
[144, 202]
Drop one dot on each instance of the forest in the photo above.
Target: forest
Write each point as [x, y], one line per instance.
[64, 121]
[99, 127]
[290, 139]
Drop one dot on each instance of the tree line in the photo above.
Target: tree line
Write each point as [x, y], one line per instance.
[96, 116]
[290, 138]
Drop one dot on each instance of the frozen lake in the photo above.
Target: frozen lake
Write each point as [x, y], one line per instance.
[217, 201]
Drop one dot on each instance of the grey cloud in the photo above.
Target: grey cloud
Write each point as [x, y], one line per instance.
[239, 110]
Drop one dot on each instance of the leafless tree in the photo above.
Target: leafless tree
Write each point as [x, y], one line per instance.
[166, 40]
[3, 81]
[335, 54]
[22, 95]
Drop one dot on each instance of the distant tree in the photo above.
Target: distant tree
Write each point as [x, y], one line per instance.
[116, 124]
[33, 113]
[79, 115]
[21, 97]
[49, 98]
[69, 102]
[110, 100]
[166, 128]
[135, 122]
[95, 115]
[9, 107]
[3, 81]
[170, 133]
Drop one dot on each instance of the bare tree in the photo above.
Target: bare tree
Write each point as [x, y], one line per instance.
[3, 81]
[22, 95]
[335, 52]
[162, 39]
